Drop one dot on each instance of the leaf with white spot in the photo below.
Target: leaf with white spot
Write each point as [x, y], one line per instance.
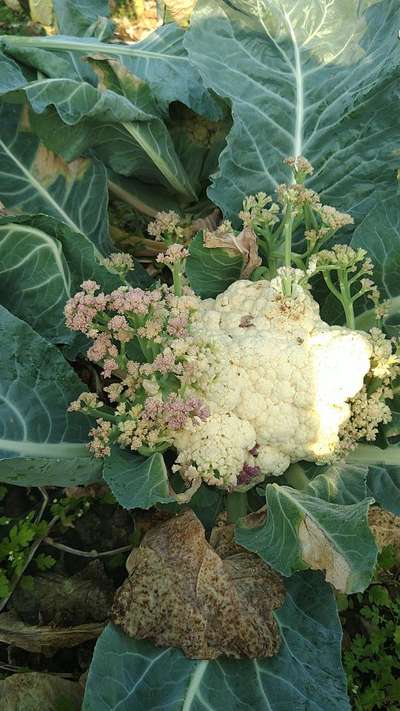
[302, 531]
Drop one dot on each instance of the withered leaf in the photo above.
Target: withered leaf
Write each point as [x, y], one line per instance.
[45, 639]
[34, 691]
[245, 243]
[208, 599]
[180, 10]
[317, 551]
[385, 526]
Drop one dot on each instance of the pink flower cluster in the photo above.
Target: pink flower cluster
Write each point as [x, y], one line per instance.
[81, 310]
[174, 254]
[174, 412]
[145, 403]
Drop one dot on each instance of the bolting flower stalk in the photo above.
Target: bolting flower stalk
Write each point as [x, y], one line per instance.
[177, 272]
[346, 299]
[287, 234]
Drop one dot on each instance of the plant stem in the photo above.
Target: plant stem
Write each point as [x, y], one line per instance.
[296, 477]
[177, 277]
[287, 232]
[346, 299]
[236, 505]
[85, 554]
[287, 235]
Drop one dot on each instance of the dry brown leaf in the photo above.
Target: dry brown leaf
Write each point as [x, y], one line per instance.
[319, 554]
[180, 10]
[209, 601]
[43, 639]
[62, 600]
[385, 526]
[35, 691]
[245, 243]
[210, 222]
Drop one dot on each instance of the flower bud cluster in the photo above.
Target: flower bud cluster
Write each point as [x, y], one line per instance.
[156, 371]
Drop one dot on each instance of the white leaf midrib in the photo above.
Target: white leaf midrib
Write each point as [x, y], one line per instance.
[299, 81]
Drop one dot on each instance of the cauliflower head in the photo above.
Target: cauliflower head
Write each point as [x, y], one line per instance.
[279, 388]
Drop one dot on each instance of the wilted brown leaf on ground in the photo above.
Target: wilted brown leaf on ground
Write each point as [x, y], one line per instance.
[63, 600]
[44, 639]
[209, 600]
[33, 691]
[385, 526]
[245, 243]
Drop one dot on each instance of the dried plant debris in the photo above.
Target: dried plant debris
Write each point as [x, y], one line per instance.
[45, 639]
[63, 601]
[386, 528]
[32, 691]
[245, 243]
[208, 599]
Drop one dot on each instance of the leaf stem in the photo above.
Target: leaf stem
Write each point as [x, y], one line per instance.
[236, 506]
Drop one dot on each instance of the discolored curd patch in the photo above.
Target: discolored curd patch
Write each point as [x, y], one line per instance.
[209, 599]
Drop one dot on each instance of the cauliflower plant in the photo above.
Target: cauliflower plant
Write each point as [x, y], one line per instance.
[245, 384]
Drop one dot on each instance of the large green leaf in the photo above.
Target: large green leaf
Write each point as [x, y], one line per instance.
[11, 76]
[123, 121]
[145, 198]
[137, 482]
[83, 17]
[317, 78]
[306, 674]
[304, 531]
[160, 59]
[379, 234]
[43, 263]
[151, 136]
[40, 443]
[340, 483]
[33, 179]
[211, 270]
[384, 486]
[383, 473]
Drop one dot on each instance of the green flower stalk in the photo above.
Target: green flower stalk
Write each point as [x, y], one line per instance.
[175, 258]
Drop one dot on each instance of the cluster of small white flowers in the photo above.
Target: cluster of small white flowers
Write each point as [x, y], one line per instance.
[369, 407]
[166, 224]
[119, 262]
[259, 211]
[175, 253]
